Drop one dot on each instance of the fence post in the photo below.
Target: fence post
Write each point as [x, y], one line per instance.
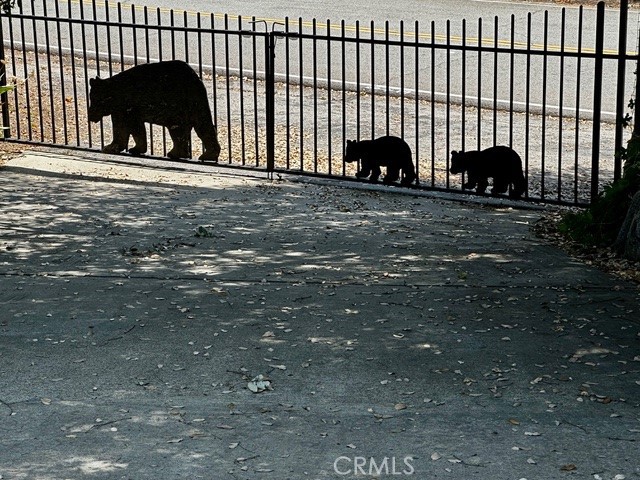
[4, 98]
[620, 100]
[270, 100]
[597, 103]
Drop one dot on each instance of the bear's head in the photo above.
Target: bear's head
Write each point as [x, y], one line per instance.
[458, 164]
[101, 98]
[352, 152]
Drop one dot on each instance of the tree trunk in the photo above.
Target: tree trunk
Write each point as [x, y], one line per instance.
[628, 242]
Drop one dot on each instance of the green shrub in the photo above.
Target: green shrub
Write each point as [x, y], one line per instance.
[600, 223]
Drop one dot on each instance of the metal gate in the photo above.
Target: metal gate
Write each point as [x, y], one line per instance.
[287, 95]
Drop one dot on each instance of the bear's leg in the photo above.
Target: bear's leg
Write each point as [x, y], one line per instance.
[180, 137]
[472, 181]
[393, 173]
[365, 169]
[375, 173]
[209, 136]
[409, 174]
[500, 185]
[139, 133]
[519, 186]
[483, 183]
[120, 135]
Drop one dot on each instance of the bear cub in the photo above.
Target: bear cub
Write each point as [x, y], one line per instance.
[501, 163]
[164, 93]
[389, 151]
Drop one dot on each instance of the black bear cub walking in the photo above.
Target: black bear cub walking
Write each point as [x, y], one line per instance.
[501, 163]
[391, 152]
[165, 93]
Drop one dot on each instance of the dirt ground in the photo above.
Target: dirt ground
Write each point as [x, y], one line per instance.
[9, 150]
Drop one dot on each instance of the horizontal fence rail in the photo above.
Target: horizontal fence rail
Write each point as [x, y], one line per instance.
[287, 96]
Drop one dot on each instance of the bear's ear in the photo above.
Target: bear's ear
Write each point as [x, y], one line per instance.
[350, 142]
[95, 81]
[453, 152]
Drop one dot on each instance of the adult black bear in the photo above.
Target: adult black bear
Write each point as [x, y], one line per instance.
[391, 152]
[165, 93]
[501, 163]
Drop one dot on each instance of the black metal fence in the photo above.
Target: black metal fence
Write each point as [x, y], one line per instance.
[286, 96]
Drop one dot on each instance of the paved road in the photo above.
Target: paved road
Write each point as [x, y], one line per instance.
[410, 11]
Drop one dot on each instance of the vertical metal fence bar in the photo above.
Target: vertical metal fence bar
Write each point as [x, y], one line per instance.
[479, 127]
[120, 39]
[448, 103]
[343, 73]
[84, 69]
[256, 123]
[314, 50]
[433, 103]
[185, 23]
[402, 98]
[160, 29]
[25, 71]
[373, 80]
[227, 56]
[145, 15]
[416, 88]
[4, 98]
[527, 108]
[37, 67]
[563, 25]
[358, 73]
[387, 72]
[512, 77]
[270, 48]
[545, 67]
[597, 102]
[576, 159]
[301, 97]
[172, 31]
[287, 91]
[148, 42]
[495, 80]
[14, 69]
[620, 94]
[199, 43]
[329, 90]
[214, 68]
[134, 35]
[243, 142]
[463, 83]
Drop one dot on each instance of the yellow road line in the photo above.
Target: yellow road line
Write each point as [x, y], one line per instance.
[364, 30]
